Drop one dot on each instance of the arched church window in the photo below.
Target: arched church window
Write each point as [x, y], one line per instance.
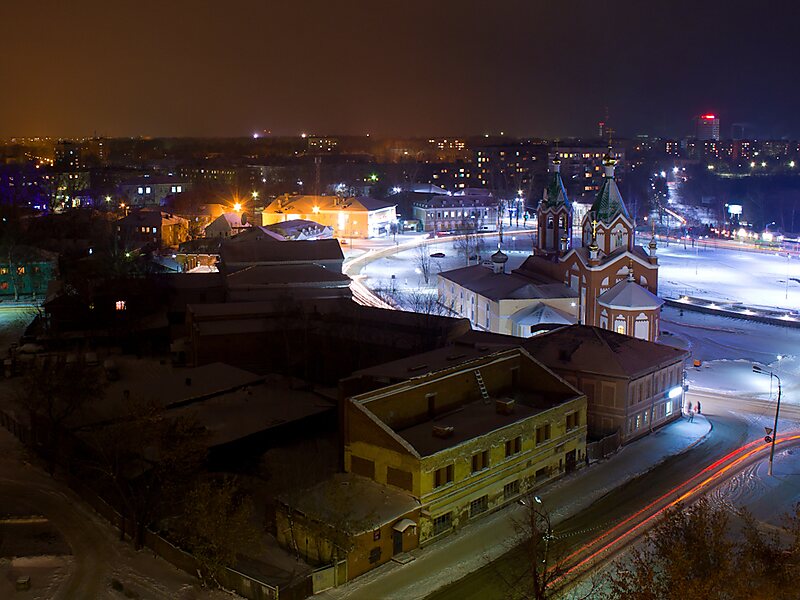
[641, 327]
[619, 324]
[549, 222]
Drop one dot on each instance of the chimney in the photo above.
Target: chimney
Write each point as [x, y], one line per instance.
[504, 406]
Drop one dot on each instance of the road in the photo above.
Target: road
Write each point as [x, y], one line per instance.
[598, 532]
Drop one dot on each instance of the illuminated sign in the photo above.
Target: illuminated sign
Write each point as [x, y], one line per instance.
[735, 209]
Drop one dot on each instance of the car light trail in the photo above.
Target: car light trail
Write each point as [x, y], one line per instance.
[736, 457]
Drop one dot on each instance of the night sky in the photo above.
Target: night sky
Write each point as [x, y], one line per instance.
[441, 67]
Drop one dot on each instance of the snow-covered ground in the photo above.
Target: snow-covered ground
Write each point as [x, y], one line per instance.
[755, 278]
[728, 348]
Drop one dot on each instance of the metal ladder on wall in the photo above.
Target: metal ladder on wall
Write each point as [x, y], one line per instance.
[482, 386]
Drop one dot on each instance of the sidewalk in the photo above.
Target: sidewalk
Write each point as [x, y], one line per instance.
[474, 546]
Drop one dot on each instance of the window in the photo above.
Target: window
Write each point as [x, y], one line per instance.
[513, 446]
[20, 270]
[140, 190]
[443, 476]
[4, 285]
[147, 190]
[154, 230]
[37, 269]
[510, 490]
[121, 305]
[442, 523]
[399, 478]
[573, 420]
[3, 270]
[668, 407]
[478, 506]
[375, 555]
[376, 535]
[362, 466]
[179, 188]
[542, 433]
[480, 461]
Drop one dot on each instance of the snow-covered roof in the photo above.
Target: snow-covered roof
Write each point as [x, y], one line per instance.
[352, 503]
[539, 313]
[499, 286]
[629, 295]
[597, 350]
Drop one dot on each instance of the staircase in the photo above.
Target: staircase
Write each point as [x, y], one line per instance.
[482, 386]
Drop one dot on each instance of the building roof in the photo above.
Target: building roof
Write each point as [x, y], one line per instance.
[608, 203]
[629, 295]
[276, 275]
[555, 194]
[352, 503]
[468, 415]
[539, 313]
[422, 188]
[234, 220]
[263, 251]
[371, 204]
[257, 232]
[155, 180]
[311, 204]
[596, 350]
[151, 218]
[296, 228]
[252, 409]
[420, 365]
[501, 286]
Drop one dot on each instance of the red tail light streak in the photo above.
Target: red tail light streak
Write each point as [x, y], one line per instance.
[626, 530]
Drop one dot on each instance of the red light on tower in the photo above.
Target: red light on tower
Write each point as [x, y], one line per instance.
[709, 117]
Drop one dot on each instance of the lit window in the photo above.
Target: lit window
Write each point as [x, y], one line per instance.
[140, 190]
[147, 190]
[20, 270]
[154, 230]
[179, 188]
[121, 305]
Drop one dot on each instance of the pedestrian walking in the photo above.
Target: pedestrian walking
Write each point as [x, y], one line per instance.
[698, 407]
[691, 416]
[688, 408]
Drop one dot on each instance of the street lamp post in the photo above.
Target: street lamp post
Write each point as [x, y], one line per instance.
[757, 369]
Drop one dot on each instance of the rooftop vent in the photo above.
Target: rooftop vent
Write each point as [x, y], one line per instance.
[443, 431]
[504, 406]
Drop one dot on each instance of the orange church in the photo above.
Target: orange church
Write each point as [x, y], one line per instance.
[616, 281]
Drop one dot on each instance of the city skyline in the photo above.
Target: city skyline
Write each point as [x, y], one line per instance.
[189, 69]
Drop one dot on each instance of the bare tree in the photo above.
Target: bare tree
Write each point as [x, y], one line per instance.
[148, 457]
[693, 553]
[469, 244]
[217, 524]
[54, 393]
[545, 570]
[422, 262]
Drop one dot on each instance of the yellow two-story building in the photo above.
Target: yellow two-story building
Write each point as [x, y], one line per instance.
[467, 436]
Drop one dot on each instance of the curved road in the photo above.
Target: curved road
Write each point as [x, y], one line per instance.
[731, 431]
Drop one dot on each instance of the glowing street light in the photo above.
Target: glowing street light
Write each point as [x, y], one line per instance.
[773, 433]
[254, 194]
[237, 206]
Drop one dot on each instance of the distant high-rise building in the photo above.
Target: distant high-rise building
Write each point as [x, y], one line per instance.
[707, 127]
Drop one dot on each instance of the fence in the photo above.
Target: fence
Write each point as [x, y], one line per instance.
[325, 578]
[603, 447]
[242, 584]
